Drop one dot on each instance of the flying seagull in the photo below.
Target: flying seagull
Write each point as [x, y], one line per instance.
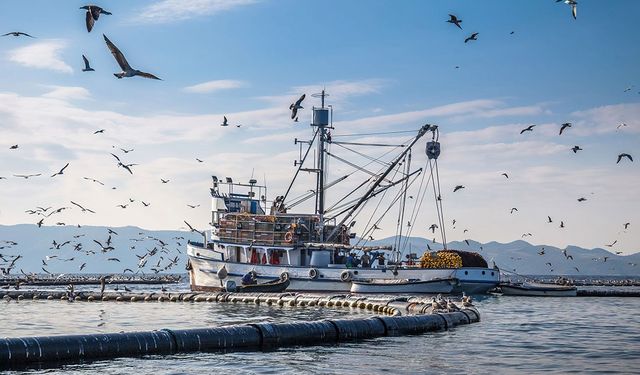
[611, 244]
[564, 126]
[87, 68]
[18, 33]
[527, 129]
[294, 107]
[582, 199]
[458, 187]
[93, 13]
[164, 181]
[513, 209]
[14, 147]
[224, 121]
[624, 156]
[27, 176]
[575, 149]
[473, 36]
[98, 131]
[93, 180]
[626, 225]
[61, 171]
[199, 161]
[125, 166]
[454, 20]
[82, 208]
[574, 8]
[127, 70]
[506, 175]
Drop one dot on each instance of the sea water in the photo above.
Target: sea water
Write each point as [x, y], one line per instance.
[515, 335]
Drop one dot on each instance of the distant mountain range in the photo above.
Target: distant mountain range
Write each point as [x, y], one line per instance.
[130, 243]
[524, 258]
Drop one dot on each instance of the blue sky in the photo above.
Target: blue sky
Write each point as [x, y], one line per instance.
[388, 65]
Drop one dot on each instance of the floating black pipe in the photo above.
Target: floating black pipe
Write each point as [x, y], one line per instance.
[28, 352]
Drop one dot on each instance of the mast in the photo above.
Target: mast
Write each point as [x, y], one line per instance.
[321, 122]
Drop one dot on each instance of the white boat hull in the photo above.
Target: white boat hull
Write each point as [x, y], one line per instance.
[205, 264]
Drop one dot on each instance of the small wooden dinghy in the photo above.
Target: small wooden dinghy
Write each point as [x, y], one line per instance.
[538, 290]
[413, 286]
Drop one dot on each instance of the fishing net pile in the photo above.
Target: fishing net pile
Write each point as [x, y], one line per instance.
[451, 259]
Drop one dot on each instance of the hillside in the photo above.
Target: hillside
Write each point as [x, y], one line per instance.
[36, 244]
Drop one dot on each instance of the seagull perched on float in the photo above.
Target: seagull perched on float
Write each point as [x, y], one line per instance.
[454, 20]
[127, 70]
[93, 13]
[294, 107]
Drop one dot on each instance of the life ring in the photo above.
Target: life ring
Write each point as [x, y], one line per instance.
[313, 273]
[345, 276]
[284, 276]
[288, 237]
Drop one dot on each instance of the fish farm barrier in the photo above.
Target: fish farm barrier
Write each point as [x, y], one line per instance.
[398, 316]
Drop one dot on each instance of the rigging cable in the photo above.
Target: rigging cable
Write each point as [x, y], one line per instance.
[416, 207]
[380, 133]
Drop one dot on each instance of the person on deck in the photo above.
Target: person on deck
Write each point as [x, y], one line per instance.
[381, 260]
[366, 260]
[350, 261]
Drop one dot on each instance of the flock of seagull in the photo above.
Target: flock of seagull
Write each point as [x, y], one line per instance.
[92, 15]
[575, 149]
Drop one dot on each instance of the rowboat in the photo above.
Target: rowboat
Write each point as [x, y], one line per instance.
[273, 286]
[412, 286]
[538, 290]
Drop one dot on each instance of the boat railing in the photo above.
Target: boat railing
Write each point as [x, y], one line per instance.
[274, 230]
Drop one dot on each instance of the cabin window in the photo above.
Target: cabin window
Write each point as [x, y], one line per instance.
[466, 272]
[483, 272]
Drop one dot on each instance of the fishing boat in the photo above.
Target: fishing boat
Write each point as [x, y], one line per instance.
[405, 286]
[319, 251]
[538, 290]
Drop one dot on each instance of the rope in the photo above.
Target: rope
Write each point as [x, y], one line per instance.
[439, 202]
[417, 207]
[381, 133]
[366, 144]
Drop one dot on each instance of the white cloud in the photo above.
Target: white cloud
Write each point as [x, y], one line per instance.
[178, 10]
[605, 119]
[211, 86]
[67, 92]
[339, 90]
[42, 55]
